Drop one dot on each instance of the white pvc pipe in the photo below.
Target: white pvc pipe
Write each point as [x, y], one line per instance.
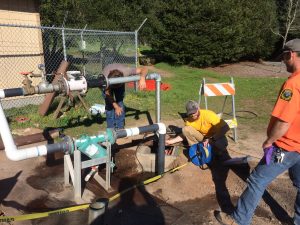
[11, 150]
[2, 94]
[161, 128]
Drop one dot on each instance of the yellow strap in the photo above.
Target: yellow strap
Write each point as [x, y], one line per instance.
[206, 151]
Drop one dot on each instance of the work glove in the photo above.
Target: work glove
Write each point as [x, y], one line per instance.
[268, 154]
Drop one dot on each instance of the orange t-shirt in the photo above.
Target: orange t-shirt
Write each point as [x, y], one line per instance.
[287, 109]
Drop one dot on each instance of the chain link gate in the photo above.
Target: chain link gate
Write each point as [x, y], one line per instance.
[22, 48]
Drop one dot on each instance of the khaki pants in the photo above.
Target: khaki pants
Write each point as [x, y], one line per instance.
[193, 137]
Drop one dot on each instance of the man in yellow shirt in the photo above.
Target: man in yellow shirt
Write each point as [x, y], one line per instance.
[204, 126]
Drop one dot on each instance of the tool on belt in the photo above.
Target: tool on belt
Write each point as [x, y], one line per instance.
[278, 154]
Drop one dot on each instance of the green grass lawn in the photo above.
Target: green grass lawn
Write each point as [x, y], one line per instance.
[254, 95]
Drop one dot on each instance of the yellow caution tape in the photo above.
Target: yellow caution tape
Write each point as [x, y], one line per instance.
[32, 216]
[148, 181]
[8, 219]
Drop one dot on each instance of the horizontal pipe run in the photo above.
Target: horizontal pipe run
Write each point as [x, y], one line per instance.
[136, 131]
[11, 92]
[58, 147]
[120, 80]
[97, 82]
[47, 88]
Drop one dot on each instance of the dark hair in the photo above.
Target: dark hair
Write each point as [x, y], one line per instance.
[115, 74]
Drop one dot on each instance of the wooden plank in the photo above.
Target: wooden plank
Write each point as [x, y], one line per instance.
[44, 107]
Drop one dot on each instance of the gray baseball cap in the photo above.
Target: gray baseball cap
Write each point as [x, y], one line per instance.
[191, 107]
[292, 45]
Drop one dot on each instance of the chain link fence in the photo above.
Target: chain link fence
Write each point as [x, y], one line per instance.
[22, 48]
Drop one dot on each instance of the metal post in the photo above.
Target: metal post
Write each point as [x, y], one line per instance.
[136, 48]
[64, 44]
[136, 55]
[233, 113]
[66, 171]
[200, 94]
[108, 165]
[77, 174]
[205, 97]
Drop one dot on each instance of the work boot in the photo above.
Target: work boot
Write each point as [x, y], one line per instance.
[224, 218]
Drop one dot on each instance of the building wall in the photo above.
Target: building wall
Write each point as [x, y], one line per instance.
[21, 49]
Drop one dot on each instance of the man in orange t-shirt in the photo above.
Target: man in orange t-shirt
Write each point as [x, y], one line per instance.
[281, 147]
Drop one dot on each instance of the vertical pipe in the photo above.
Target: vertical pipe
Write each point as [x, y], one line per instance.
[161, 154]
[157, 95]
[6, 135]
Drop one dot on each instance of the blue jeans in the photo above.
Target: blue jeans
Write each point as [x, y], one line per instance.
[112, 120]
[258, 181]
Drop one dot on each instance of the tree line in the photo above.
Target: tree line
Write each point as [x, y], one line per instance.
[191, 32]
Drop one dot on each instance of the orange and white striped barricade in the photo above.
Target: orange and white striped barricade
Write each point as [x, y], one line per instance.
[220, 89]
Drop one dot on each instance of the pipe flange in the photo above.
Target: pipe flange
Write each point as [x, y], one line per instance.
[64, 86]
[103, 81]
[69, 146]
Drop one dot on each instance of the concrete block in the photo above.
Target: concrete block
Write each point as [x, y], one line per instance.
[147, 159]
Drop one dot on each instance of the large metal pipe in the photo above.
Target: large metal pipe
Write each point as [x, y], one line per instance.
[64, 86]
[160, 128]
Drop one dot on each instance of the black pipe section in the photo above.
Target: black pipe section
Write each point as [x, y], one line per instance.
[144, 129]
[12, 92]
[120, 133]
[160, 156]
[59, 147]
[99, 82]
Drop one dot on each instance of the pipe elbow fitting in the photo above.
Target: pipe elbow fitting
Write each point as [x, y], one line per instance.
[153, 76]
[162, 128]
[13, 154]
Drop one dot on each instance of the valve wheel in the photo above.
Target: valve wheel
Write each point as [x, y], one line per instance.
[22, 119]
